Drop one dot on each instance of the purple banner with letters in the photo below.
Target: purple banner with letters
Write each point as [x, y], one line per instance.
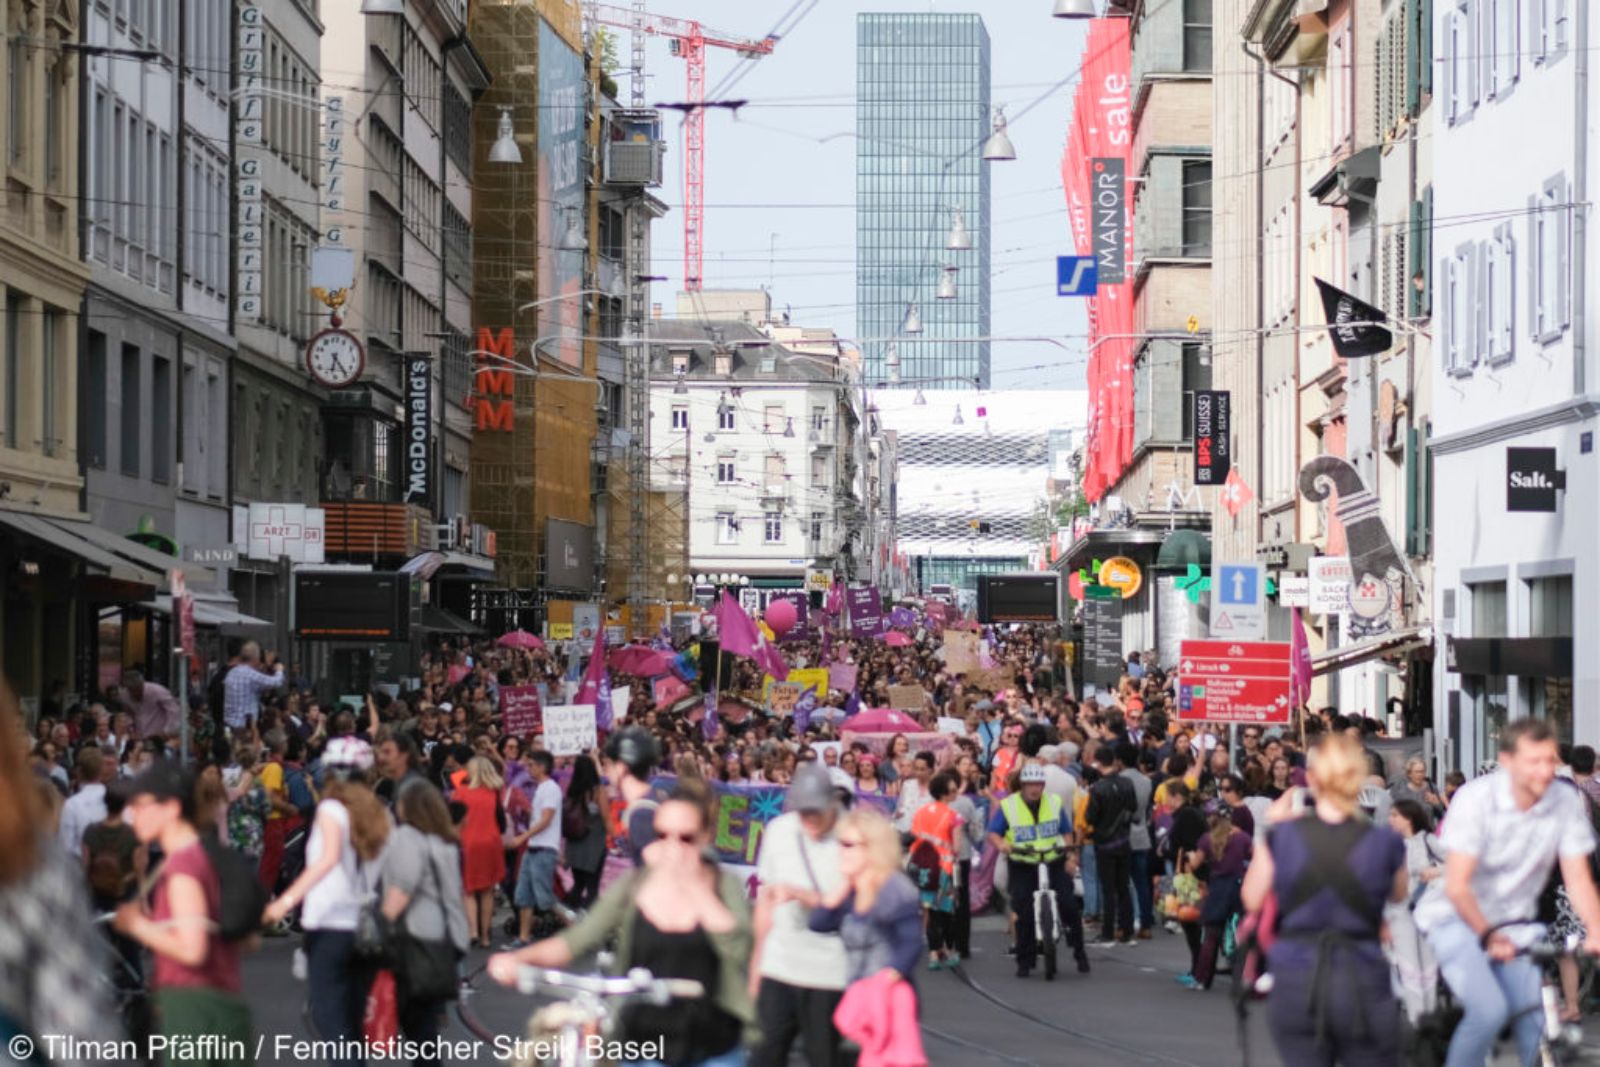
[801, 631]
[866, 612]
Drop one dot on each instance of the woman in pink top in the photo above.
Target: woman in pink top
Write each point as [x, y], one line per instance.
[198, 994]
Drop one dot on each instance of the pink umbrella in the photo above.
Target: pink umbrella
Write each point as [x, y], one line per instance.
[521, 639]
[896, 639]
[882, 721]
[641, 660]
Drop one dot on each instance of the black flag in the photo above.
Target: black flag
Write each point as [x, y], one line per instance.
[1354, 325]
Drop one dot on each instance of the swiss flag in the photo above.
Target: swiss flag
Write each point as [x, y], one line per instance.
[1235, 493]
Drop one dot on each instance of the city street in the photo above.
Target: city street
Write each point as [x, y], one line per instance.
[1127, 1011]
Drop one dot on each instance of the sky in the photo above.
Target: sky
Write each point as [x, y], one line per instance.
[780, 175]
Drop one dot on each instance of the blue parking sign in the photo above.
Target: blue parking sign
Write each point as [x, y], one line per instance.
[1076, 276]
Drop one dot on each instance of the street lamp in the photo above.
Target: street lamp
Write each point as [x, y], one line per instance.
[959, 240]
[913, 323]
[958, 420]
[504, 149]
[1075, 9]
[998, 148]
[947, 284]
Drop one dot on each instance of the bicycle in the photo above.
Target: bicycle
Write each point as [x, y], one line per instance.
[576, 1031]
[125, 986]
[1046, 923]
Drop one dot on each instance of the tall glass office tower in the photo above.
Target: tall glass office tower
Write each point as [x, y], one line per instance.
[922, 115]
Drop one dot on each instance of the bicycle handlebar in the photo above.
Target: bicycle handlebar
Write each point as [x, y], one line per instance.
[1541, 951]
[636, 983]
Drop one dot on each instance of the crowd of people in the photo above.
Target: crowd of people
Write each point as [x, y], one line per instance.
[419, 815]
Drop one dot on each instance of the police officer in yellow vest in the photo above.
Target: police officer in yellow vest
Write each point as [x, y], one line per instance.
[1035, 833]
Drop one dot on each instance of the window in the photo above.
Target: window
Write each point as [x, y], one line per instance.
[727, 470]
[819, 418]
[161, 422]
[1459, 354]
[1550, 30]
[1197, 207]
[726, 413]
[776, 476]
[50, 361]
[1460, 38]
[1419, 490]
[13, 368]
[217, 405]
[18, 54]
[1420, 281]
[94, 412]
[816, 529]
[819, 471]
[1548, 222]
[680, 416]
[772, 419]
[1505, 45]
[727, 528]
[1341, 84]
[773, 527]
[1499, 272]
[458, 250]
[1550, 606]
[129, 417]
[1196, 359]
[1197, 35]
[1488, 603]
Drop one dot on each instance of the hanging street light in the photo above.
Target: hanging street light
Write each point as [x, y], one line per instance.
[998, 148]
[504, 149]
[913, 323]
[1075, 9]
[958, 420]
[919, 400]
[947, 284]
[959, 240]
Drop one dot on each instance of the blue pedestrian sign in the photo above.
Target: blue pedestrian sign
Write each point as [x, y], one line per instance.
[1076, 276]
[1238, 601]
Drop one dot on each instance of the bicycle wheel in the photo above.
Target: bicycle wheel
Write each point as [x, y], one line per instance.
[1045, 913]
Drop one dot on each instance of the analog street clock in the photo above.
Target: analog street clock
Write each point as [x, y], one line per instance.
[335, 358]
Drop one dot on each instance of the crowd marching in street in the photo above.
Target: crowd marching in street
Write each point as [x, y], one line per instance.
[418, 838]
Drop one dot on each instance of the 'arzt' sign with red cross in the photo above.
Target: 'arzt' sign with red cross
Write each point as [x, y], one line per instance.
[1234, 681]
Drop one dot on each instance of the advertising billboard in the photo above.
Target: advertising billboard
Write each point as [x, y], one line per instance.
[568, 556]
[562, 90]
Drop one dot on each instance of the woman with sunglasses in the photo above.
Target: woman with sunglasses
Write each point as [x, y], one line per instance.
[678, 916]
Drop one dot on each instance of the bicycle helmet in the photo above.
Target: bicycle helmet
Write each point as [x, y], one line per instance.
[346, 756]
[635, 749]
[1032, 772]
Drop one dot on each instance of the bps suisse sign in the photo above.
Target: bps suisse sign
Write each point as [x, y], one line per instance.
[1234, 681]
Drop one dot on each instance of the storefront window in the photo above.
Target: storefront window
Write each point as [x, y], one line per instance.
[1491, 708]
[1550, 615]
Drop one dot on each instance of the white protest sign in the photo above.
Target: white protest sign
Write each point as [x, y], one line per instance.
[950, 725]
[620, 699]
[569, 729]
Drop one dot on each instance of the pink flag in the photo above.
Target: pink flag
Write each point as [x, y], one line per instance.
[1299, 660]
[740, 636]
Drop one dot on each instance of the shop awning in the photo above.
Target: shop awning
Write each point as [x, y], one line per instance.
[1390, 644]
[1102, 543]
[143, 555]
[220, 610]
[1525, 657]
[65, 536]
[437, 620]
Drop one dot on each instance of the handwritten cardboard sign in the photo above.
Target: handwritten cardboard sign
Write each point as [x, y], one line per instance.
[783, 696]
[961, 651]
[908, 697]
[842, 676]
[520, 710]
[992, 679]
[569, 729]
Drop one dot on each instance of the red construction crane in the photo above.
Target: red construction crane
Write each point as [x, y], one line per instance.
[689, 41]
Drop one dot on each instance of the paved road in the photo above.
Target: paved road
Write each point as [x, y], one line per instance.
[1128, 1011]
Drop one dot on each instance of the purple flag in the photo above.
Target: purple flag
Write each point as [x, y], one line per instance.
[866, 612]
[596, 687]
[1299, 660]
[741, 637]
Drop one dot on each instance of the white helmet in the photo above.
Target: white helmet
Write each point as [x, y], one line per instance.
[347, 755]
[1032, 772]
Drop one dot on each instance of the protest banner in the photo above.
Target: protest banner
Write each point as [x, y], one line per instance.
[866, 612]
[950, 725]
[908, 697]
[961, 652]
[519, 710]
[783, 696]
[992, 679]
[569, 729]
[743, 812]
[841, 676]
[943, 746]
[813, 678]
[668, 690]
[620, 699]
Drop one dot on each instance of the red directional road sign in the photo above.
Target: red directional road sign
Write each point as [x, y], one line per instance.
[1234, 681]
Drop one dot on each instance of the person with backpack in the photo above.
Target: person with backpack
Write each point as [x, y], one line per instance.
[1329, 873]
[196, 981]
[631, 756]
[1113, 805]
[348, 833]
[583, 832]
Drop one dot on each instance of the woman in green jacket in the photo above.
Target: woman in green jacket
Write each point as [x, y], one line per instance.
[678, 916]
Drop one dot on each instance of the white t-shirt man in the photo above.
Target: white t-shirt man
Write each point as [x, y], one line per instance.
[792, 953]
[82, 810]
[547, 797]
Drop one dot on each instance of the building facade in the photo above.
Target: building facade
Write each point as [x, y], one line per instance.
[45, 591]
[763, 441]
[922, 116]
[1513, 373]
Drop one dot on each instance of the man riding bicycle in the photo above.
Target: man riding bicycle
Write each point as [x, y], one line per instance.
[1502, 834]
[1035, 833]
